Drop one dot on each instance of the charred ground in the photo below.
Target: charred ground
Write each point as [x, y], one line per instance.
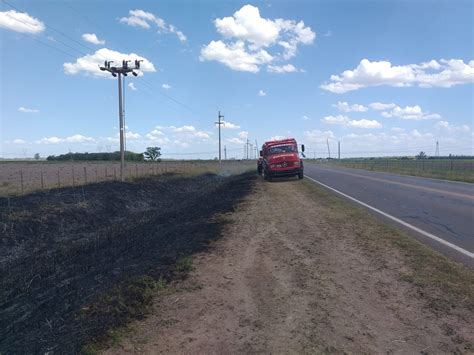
[63, 251]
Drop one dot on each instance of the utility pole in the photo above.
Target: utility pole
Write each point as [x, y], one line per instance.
[247, 151]
[117, 72]
[219, 123]
[437, 149]
[339, 150]
[329, 152]
[225, 153]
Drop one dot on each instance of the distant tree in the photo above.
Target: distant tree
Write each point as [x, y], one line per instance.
[152, 153]
[421, 155]
[37, 156]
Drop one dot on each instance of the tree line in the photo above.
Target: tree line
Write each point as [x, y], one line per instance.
[151, 154]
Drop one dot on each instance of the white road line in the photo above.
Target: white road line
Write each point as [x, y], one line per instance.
[408, 225]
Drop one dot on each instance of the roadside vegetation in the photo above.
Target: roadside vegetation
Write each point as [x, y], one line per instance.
[447, 286]
[455, 169]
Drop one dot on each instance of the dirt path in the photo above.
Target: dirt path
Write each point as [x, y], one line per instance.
[286, 279]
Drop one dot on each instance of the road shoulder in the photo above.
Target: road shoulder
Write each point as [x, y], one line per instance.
[300, 270]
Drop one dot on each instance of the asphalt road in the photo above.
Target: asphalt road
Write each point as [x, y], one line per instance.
[439, 208]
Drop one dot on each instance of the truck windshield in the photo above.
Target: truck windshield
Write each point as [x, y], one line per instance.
[288, 148]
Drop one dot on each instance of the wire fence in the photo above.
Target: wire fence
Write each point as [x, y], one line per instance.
[26, 177]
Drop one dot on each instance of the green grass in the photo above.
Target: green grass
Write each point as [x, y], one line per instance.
[443, 283]
[455, 170]
[184, 264]
[128, 301]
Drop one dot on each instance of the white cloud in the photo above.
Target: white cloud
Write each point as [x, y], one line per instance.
[20, 22]
[364, 123]
[27, 110]
[166, 86]
[280, 69]
[143, 19]
[247, 34]
[339, 119]
[132, 136]
[445, 125]
[445, 73]
[89, 64]
[345, 107]
[188, 131]
[132, 86]
[19, 141]
[277, 138]
[92, 38]
[243, 134]
[317, 136]
[76, 138]
[378, 106]
[229, 125]
[410, 113]
[235, 140]
[247, 24]
[345, 121]
[261, 93]
[306, 118]
[235, 56]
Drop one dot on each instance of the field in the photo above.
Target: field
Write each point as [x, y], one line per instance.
[448, 169]
[18, 178]
[213, 259]
[74, 264]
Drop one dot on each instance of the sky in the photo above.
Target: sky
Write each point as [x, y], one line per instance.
[383, 78]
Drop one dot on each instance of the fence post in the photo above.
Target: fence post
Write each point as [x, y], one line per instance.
[73, 180]
[42, 181]
[115, 173]
[21, 181]
[106, 172]
[85, 175]
[451, 167]
[136, 170]
[59, 180]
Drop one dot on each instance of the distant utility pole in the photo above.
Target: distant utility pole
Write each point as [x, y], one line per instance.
[339, 150]
[117, 72]
[437, 149]
[219, 123]
[225, 153]
[329, 152]
[256, 150]
[247, 151]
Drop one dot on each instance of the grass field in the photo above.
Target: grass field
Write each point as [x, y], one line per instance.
[448, 169]
[17, 178]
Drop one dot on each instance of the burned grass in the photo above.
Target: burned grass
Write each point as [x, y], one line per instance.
[76, 262]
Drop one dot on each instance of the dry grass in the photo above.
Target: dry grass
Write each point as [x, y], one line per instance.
[17, 178]
[455, 170]
[445, 284]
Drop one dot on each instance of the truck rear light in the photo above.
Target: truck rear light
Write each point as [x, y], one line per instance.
[296, 163]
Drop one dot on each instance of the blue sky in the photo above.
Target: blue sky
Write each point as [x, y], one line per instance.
[383, 78]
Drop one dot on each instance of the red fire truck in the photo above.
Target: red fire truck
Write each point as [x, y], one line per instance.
[280, 158]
